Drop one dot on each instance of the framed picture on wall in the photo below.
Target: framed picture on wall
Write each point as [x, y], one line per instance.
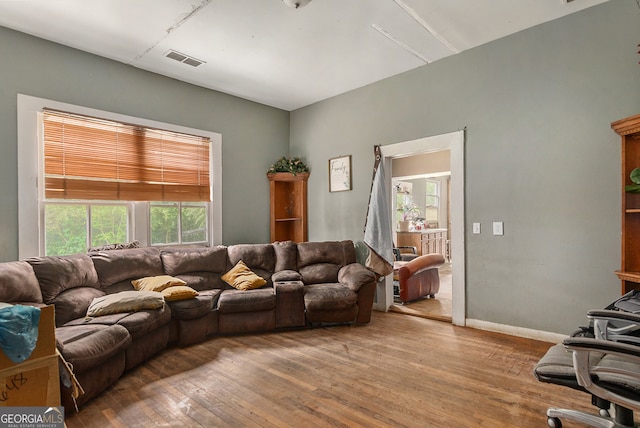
[340, 174]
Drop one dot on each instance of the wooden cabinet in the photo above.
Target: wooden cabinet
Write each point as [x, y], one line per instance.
[629, 273]
[288, 206]
[409, 239]
[427, 241]
[434, 241]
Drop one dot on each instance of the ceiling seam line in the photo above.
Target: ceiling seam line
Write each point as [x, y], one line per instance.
[175, 26]
[399, 43]
[412, 13]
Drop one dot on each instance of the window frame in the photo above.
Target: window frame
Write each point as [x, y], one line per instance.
[180, 206]
[435, 195]
[89, 205]
[31, 174]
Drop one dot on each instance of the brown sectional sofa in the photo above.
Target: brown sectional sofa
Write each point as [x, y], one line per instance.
[311, 283]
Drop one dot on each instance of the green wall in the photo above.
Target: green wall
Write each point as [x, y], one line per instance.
[253, 135]
[539, 156]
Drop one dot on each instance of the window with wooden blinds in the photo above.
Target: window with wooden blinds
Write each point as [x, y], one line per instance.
[89, 158]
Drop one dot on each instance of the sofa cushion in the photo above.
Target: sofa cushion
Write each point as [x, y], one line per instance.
[89, 346]
[323, 297]
[201, 281]
[335, 252]
[141, 323]
[18, 283]
[319, 262]
[117, 268]
[286, 255]
[178, 292]
[73, 303]
[242, 278]
[156, 283]
[320, 273]
[59, 273]
[196, 307]
[137, 323]
[286, 275]
[355, 276]
[125, 301]
[232, 301]
[177, 261]
[260, 258]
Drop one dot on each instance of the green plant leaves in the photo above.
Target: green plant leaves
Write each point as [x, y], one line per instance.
[635, 178]
[293, 165]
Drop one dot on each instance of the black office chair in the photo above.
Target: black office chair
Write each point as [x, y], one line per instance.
[400, 256]
[607, 369]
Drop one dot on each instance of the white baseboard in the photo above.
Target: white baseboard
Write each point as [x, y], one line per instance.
[528, 333]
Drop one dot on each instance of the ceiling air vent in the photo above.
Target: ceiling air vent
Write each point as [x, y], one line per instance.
[185, 59]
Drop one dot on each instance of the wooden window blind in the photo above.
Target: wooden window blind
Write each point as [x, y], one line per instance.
[95, 159]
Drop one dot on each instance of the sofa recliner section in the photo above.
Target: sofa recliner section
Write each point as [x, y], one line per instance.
[99, 348]
[149, 329]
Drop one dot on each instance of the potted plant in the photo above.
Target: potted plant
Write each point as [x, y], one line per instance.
[291, 165]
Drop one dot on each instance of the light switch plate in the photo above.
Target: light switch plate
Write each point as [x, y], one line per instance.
[498, 228]
[476, 228]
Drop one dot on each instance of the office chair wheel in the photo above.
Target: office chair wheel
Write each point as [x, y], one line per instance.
[554, 423]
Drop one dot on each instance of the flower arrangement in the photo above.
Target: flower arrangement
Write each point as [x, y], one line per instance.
[285, 164]
[410, 213]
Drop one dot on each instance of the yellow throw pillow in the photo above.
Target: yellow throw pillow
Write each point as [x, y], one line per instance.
[241, 277]
[178, 292]
[156, 283]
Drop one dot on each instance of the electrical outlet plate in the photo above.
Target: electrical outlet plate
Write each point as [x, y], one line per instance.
[498, 228]
[476, 228]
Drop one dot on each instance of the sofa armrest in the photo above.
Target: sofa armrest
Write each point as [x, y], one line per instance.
[421, 263]
[286, 275]
[355, 275]
[289, 304]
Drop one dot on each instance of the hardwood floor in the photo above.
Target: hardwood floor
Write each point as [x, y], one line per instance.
[398, 371]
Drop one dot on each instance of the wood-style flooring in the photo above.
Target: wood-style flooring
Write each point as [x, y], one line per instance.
[397, 371]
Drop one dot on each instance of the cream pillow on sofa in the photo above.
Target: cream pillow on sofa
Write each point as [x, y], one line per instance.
[125, 301]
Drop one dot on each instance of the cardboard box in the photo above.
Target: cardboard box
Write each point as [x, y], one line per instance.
[35, 381]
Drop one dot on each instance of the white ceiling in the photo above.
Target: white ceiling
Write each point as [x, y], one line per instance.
[265, 51]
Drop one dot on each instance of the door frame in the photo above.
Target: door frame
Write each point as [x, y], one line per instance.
[454, 142]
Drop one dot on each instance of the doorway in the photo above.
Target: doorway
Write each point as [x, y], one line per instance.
[421, 223]
[454, 142]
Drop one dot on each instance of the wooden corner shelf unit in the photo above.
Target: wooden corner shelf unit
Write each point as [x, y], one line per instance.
[629, 273]
[288, 206]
